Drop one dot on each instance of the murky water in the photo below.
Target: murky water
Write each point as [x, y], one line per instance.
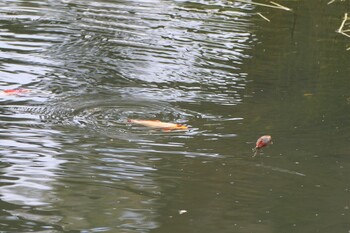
[70, 161]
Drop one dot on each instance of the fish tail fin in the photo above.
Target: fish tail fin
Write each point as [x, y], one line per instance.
[256, 151]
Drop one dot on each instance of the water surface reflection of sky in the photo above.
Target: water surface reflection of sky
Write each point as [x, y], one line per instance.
[92, 65]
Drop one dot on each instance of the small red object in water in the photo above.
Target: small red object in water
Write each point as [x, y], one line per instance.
[262, 142]
[15, 91]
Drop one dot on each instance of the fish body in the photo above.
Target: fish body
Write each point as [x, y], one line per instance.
[15, 91]
[156, 124]
[262, 142]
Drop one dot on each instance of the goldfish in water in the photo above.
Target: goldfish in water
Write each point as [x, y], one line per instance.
[262, 142]
[15, 91]
[156, 124]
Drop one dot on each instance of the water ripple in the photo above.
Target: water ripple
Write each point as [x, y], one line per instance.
[90, 66]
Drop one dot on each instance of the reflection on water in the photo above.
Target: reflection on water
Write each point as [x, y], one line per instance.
[71, 162]
[30, 165]
[33, 189]
[91, 66]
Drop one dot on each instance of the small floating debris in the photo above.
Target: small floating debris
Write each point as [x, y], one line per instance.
[272, 5]
[263, 141]
[341, 29]
[264, 17]
[280, 6]
[308, 94]
[332, 1]
[156, 124]
[182, 211]
[15, 91]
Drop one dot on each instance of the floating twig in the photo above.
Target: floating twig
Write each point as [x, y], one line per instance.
[275, 5]
[282, 7]
[343, 22]
[344, 34]
[332, 1]
[264, 17]
[340, 29]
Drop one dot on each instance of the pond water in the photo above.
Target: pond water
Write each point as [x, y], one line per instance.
[70, 161]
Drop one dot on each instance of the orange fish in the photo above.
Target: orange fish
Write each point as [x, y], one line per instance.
[156, 124]
[262, 142]
[15, 91]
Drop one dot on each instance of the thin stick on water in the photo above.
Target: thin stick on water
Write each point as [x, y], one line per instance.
[344, 34]
[340, 29]
[264, 17]
[282, 7]
[275, 6]
[343, 23]
[330, 2]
